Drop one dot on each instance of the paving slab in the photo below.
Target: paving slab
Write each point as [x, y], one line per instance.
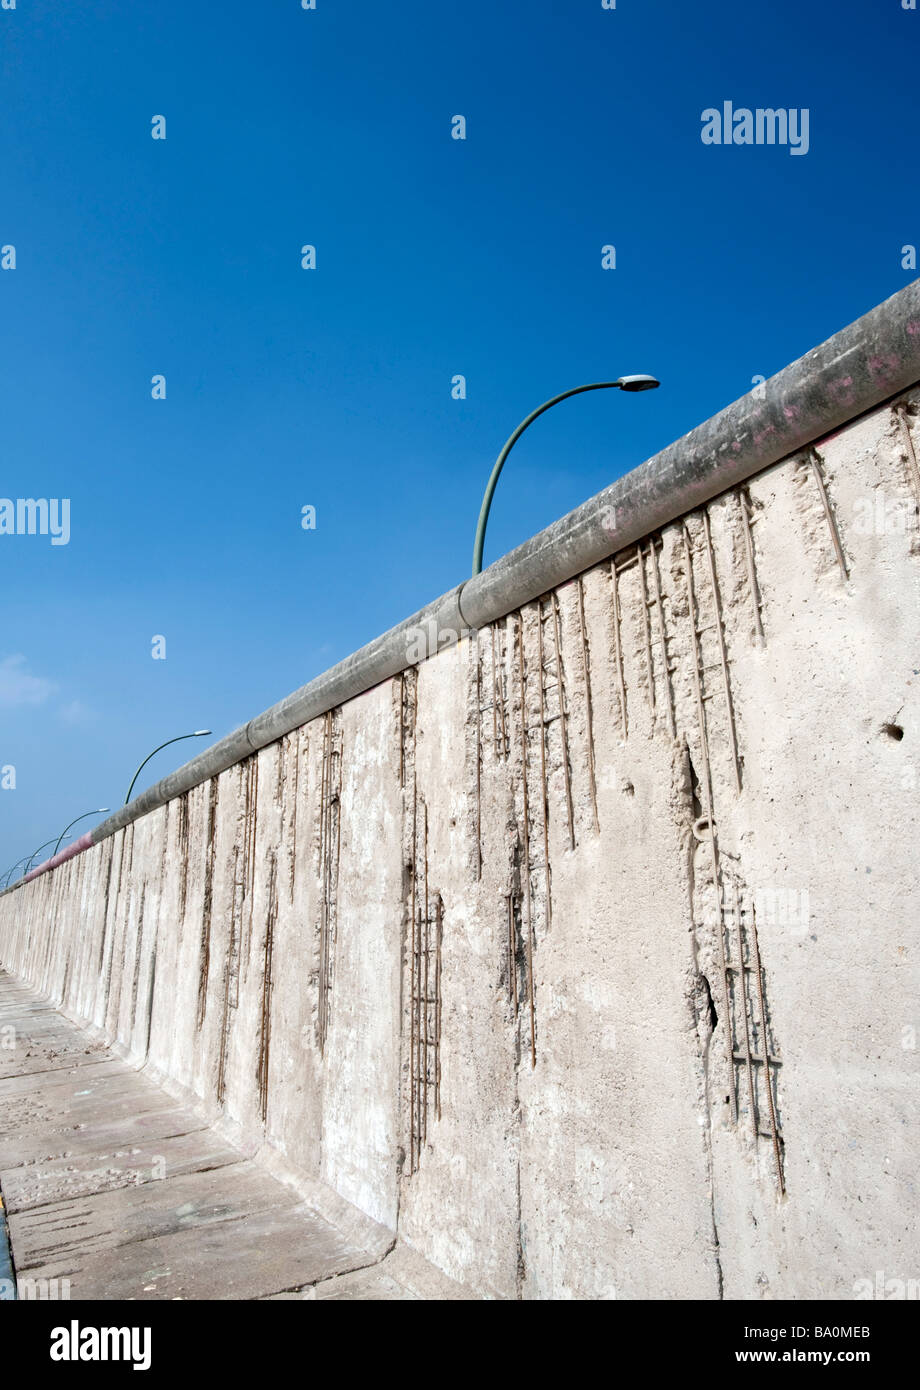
[75, 1105]
[49, 1052]
[79, 1140]
[247, 1257]
[37, 1183]
[79, 1228]
[85, 1070]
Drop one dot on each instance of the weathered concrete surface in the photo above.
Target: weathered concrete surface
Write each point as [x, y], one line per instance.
[603, 994]
[113, 1191]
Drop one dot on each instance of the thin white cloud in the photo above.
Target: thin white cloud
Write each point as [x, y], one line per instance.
[18, 686]
[74, 713]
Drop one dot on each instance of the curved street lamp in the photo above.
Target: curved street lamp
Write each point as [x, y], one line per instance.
[28, 867]
[30, 858]
[12, 870]
[100, 812]
[199, 733]
[625, 383]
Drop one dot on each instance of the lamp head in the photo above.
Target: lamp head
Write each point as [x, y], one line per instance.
[200, 733]
[638, 383]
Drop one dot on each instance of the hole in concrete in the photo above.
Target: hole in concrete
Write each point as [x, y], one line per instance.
[694, 788]
[710, 1006]
[893, 731]
[629, 789]
[701, 828]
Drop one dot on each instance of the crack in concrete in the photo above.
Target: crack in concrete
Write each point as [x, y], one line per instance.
[685, 783]
[331, 1278]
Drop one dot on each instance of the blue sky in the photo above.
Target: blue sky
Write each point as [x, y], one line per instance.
[435, 257]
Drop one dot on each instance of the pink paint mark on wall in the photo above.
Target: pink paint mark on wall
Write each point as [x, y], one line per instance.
[841, 390]
[84, 842]
[883, 368]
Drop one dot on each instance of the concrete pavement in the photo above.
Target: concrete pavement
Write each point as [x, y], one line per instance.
[115, 1190]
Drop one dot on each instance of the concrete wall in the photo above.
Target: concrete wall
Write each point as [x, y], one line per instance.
[486, 949]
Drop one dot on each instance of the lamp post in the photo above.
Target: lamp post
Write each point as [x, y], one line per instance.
[29, 859]
[625, 383]
[100, 812]
[199, 733]
[12, 870]
[32, 857]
